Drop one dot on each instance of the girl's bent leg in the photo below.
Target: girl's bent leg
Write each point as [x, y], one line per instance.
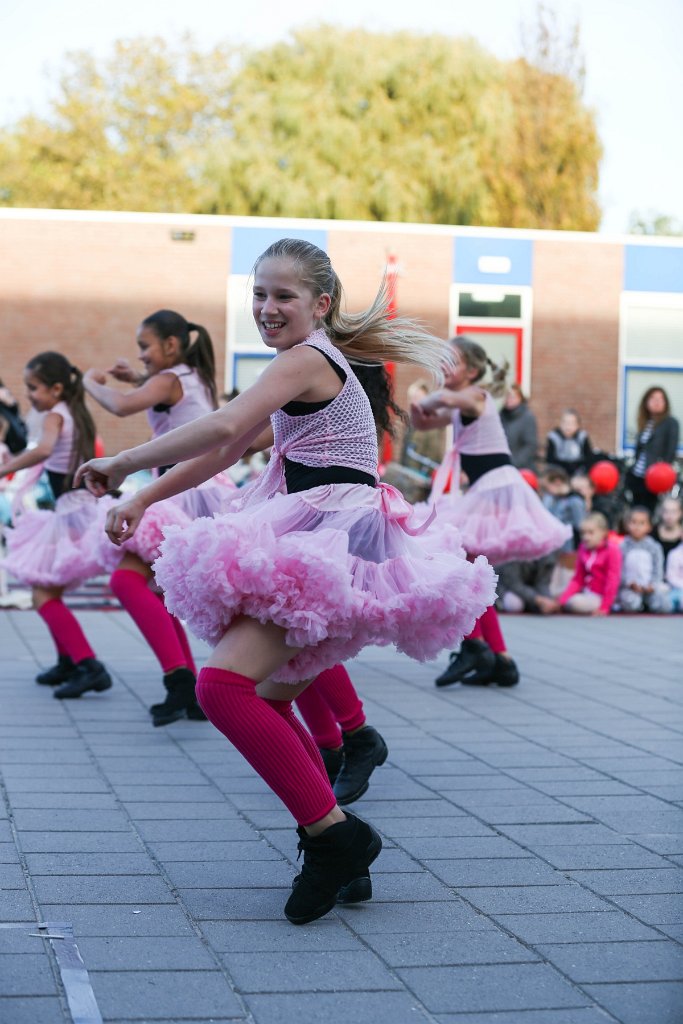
[130, 584]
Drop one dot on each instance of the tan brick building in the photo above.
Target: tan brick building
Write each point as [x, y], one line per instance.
[585, 320]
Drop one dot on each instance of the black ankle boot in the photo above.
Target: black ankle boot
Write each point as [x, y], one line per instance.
[180, 701]
[89, 674]
[363, 751]
[59, 673]
[473, 664]
[332, 759]
[505, 672]
[332, 860]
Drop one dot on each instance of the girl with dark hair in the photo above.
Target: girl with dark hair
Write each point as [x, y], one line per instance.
[499, 515]
[53, 551]
[177, 387]
[657, 441]
[318, 559]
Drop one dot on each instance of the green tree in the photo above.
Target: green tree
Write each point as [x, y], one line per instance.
[329, 123]
[652, 223]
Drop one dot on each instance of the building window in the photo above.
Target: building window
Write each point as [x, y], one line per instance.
[651, 343]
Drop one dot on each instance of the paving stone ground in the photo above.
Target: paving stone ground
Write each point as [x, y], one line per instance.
[533, 859]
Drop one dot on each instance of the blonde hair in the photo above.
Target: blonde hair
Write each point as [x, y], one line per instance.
[371, 336]
[598, 519]
[475, 358]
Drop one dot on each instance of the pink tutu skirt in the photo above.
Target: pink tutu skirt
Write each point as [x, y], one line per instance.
[502, 518]
[204, 501]
[336, 566]
[56, 548]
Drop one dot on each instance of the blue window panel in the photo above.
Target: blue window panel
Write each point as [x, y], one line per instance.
[249, 243]
[471, 255]
[653, 268]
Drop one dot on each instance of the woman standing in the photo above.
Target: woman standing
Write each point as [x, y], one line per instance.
[657, 441]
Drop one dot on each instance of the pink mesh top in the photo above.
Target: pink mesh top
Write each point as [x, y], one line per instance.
[195, 402]
[484, 436]
[59, 459]
[341, 434]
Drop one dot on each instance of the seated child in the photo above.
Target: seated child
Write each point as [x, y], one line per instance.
[521, 584]
[673, 574]
[562, 502]
[593, 588]
[642, 574]
[668, 529]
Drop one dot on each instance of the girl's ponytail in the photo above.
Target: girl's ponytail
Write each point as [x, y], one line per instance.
[200, 355]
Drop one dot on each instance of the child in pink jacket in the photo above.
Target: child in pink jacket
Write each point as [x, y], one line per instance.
[593, 588]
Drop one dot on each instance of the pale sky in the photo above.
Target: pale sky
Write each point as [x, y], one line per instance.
[632, 50]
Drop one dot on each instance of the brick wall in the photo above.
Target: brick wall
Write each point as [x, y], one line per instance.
[82, 288]
[575, 354]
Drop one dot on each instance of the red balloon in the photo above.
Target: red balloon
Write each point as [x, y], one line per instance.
[530, 478]
[660, 477]
[99, 447]
[604, 476]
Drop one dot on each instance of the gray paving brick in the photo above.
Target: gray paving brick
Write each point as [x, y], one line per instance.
[577, 858]
[561, 835]
[229, 829]
[316, 972]
[603, 926]
[617, 961]
[420, 949]
[12, 877]
[644, 1003]
[432, 848]
[153, 995]
[30, 1010]
[656, 909]
[65, 801]
[574, 1016]
[117, 889]
[632, 882]
[8, 853]
[15, 905]
[366, 919]
[124, 953]
[497, 987]
[538, 899]
[497, 872]
[106, 920]
[354, 1008]
[26, 974]
[90, 864]
[235, 904]
[71, 821]
[221, 852]
[278, 936]
[80, 842]
[230, 874]
[447, 826]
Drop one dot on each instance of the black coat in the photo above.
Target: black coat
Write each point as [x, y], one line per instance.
[662, 444]
[522, 433]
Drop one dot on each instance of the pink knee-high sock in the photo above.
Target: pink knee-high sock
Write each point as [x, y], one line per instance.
[66, 631]
[335, 687]
[317, 715]
[182, 640]
[267, 741]
[286, 711]
[487, 627]
[150, 616]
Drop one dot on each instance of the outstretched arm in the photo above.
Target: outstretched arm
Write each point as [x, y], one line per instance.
[124, 519]
[288, 377]
[160, 389]
[52, 424]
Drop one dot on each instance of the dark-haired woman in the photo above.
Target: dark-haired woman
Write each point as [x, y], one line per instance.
[657, 441]
[54, 551]
[177, 387]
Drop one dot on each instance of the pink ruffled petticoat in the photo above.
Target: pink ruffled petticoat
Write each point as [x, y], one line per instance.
[56, 548]
[337, 566]
[501, 518]
[203, 501]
